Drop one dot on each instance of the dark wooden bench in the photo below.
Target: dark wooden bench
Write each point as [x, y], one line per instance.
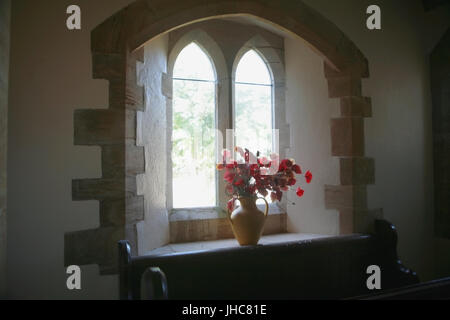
[325, 268]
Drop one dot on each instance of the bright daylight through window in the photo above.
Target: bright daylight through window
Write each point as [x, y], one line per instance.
[253, 104]
[193, 135]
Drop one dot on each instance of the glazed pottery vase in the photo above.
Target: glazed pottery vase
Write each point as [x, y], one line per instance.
[247, 221]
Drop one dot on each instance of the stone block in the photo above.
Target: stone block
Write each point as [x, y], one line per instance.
[103, 127]
[347, 137]
[134, 93]
[166, 85]
[355, 69]
[98, 189]
[112, 212]
[344, 86]
[95, 246]
[357, 171]
[345, 197]
[135, 159]
[103, 189]
[135, 210]
[108, 66]
[356, 107]
[120, 212]
[113, 161]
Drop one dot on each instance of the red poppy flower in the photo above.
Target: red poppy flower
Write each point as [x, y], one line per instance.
[292, 182]
[297, 169]
[288, 163]
[254, 168]
[300, 192]
[308, 176]
[289, 173]
[229, 176]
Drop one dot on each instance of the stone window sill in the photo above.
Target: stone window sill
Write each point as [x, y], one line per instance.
[214, 212]
[229, 243]
[207, 224]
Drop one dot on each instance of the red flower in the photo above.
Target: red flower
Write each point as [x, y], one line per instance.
[254, 168]
[229, 176]
[288, 163]
[297, 169]
[285, 164]
[253, 175]
[289, 173]
[308, 176]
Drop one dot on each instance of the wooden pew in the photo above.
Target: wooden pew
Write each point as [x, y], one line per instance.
[326, 268]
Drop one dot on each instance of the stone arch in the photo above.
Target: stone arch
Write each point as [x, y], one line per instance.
[116, 47]
[143, 20]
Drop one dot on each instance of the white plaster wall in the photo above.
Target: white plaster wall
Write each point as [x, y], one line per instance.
[308, 111]
[153, 232]
[51, 76]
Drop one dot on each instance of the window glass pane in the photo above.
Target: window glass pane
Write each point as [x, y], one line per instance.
[193, 63]
[253, 106]
[193, 139]
[253, 118]
[252, 69]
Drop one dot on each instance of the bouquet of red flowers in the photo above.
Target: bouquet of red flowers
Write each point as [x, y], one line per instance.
[255, 175]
